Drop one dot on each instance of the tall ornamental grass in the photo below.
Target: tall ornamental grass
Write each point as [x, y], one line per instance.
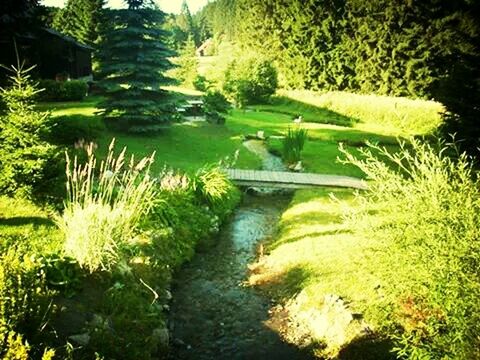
[104, 206]
[293, 144]
[423, 211]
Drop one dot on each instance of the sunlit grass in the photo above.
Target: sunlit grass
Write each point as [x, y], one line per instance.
[380, 114]
[315, 255]
[26, 225]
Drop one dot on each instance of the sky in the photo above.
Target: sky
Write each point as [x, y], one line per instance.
[168, 6]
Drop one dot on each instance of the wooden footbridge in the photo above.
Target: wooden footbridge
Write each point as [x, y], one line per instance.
[291, 180]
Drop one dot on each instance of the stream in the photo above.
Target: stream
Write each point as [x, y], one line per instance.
[213, 314]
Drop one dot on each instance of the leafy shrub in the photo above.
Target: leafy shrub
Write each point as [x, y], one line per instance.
[212, 184]
[201, 83]
[23, 294]
[27, 161]
[215, 101]
[423, 210]
[103, 211]
[250, 81]
[73, 90]
[216, 118]
[67, 130]
[293, 143]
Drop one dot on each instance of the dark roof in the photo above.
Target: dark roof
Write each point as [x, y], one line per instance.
[68, 39]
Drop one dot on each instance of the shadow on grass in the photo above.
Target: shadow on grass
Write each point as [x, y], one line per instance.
[288, 240]
[26, 220]
[368, 348]
[284, 286]
[90, 101]
[310, 113]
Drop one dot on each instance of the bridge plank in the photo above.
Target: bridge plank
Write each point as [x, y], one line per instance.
[263, 178]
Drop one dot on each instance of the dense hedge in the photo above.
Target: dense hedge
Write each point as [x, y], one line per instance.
[73, 90]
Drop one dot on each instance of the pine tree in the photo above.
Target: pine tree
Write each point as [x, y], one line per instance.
[83, 20]
[133, 61]
[185, 23]
[27, 160]
[187, 63]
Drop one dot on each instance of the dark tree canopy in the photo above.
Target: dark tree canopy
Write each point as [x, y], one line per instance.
[133, 61]
[419, 49]
[83, 20]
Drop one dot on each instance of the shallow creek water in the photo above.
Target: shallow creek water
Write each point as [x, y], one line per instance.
[213, 314]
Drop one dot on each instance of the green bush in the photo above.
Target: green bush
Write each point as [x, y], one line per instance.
[215, 101]
[423, 210]
[27, 160]
[250, 81]
[68, 129]
[212, 184]
[293, 143]
[24, 296]
[215, 104]
[104, 209]
[73, 90]
[201, 83]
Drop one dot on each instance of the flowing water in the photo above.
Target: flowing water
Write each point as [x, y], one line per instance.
[213, 314]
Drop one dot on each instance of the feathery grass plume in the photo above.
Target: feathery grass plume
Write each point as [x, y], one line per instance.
[104, 206]
[293, 144]
[422, 209]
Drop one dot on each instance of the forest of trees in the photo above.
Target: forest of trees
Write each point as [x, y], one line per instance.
[427, 49]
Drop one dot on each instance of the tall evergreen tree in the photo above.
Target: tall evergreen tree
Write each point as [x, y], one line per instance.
[187, 63]
[83, 20]
[184, 20]
[133, 62]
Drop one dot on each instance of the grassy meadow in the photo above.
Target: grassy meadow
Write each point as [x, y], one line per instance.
[314, 253]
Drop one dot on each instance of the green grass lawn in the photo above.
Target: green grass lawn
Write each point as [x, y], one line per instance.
[25, 225]
[313, 254]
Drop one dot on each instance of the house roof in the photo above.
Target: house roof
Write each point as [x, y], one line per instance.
[205, 44]
[68, 39]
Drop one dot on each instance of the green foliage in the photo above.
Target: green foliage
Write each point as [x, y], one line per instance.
[422, 209]
[69, 129]
[293, 144]
[73, 90]
[103, 210]
[460, 89]
[215, 101]
[15, 348]
[215, 106]
[213, 184]
[27, 161]
[201, 83]
[135, 102]
[187, 63]
[84, 20]
[389, 47]
[250, 81]
[24, 298]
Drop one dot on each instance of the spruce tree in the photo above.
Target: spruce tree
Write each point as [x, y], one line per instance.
[28, 163]
[185, 23]
[133, 62]
[83, 20]
[187, 63]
